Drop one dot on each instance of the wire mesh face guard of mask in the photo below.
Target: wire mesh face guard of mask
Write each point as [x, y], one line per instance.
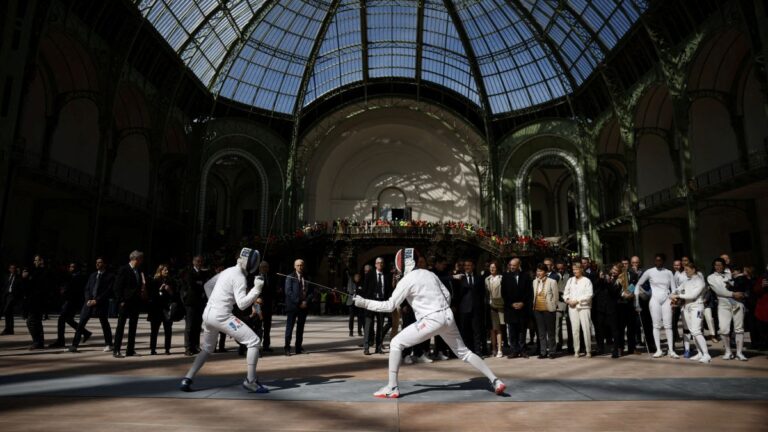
[405, 260]
[249, 260]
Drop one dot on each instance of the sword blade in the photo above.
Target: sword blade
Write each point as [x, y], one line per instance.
[313, 283]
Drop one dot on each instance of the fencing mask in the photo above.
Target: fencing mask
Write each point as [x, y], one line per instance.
[405, 260]
[249, 260]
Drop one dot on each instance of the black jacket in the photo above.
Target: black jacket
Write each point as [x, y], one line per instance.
[127, 285]
[268, 294]
[192, 291]
[370, 286]
[514, 292]
[160, 300]
[471, 297]
[72, 288]
[104, 290]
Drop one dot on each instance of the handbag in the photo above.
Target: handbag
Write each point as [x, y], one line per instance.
[175, 312]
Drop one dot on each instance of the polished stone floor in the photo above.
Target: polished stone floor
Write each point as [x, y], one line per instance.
[330, 389]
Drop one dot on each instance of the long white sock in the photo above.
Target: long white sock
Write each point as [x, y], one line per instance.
[395, 358]
[670, 340]
[200, 359]
[687, 341]
[702, 345]
[739, 342]
[253, 358]
[726, 343]
[657, 338]
[480, 365]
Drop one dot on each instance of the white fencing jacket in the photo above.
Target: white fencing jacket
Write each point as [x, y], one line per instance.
[231, 288]
[421, 288]
[663, 282]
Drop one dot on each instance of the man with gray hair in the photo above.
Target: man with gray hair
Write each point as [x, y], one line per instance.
[130, 288]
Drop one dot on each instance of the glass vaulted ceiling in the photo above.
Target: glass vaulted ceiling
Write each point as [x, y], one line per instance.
[501, 55]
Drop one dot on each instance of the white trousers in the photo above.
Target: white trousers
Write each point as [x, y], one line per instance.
[437, 324]
[215, 321]
[661, 312]
[728, 311]
[581, 319]
[694, 317]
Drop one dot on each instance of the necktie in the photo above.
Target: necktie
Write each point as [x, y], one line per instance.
[381, 285]
[469, 278]
[10, 284]
[95, 288]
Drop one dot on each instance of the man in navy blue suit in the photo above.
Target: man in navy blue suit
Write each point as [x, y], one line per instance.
[298, 297]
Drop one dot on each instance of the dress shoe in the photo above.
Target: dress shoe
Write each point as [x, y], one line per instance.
[350, 334]
[72, 349]
[615, 354]
[57, 344]
[379, 349]
[167, 352]
[153, 352]
[541, 356]
[36, 347]
[267, 349]
[132, 354]
[524, 355]
[117, 354]
[551, 356]
[367, 351]
[287, 352]
[300, 351]
[513, 355]
[188, 353]
[359, 333]
[87, 336]
[6, 332]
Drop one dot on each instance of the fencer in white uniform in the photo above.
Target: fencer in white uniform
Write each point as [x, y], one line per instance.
[431, 304]
[662, 285]
[730, 308]
[693, 290]
[231, 288]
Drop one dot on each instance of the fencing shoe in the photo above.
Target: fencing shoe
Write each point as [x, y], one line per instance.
[705, 359]
[255, 387]
[741, 356]
[186, 385]
[387, 392]
[498, 386]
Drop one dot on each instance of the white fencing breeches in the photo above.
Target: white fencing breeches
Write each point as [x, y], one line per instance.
[694, 317]
[581, 319]
[436, 324]
[661, 313]
[215, 321]
[728, 311]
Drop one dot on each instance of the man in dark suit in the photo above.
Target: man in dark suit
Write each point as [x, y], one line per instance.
[97, 292]
[517, 291]
[130, 286]
[10, 296]
[377, 286]
[471, 294]
[72, 298]
[267, 302]
[36, 295]
[298, 298]
[193, 297]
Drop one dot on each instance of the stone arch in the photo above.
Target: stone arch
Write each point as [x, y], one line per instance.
[262, 173]
[522, 219]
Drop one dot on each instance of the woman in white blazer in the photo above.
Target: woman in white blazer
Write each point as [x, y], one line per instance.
[545, 297]
[578, 297]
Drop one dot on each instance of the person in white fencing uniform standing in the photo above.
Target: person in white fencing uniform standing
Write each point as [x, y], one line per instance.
[693, 290]
[231, 288]
[730, 307]
[431, 304]
[662, 285]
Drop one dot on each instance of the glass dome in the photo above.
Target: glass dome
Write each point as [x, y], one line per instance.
[501, 56]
